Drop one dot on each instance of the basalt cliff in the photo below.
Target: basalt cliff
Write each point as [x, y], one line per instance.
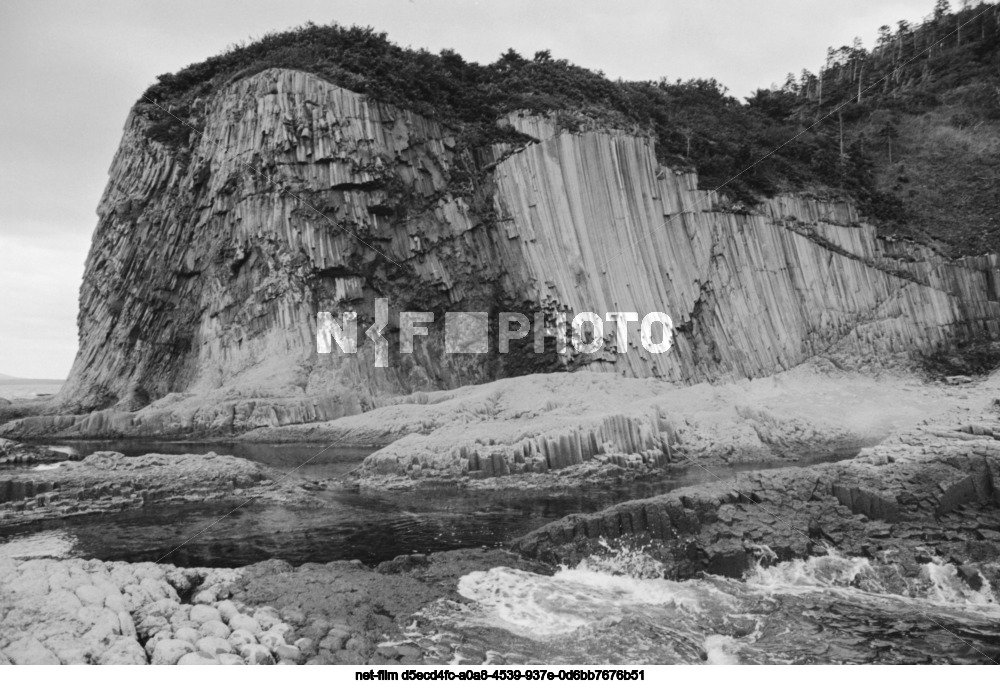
[210, 263]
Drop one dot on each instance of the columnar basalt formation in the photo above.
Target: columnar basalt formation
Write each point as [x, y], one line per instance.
[927, 495]
[211, 261]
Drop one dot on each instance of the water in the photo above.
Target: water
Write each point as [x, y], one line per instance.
[369, 526]
[616, 610]
[610, 609]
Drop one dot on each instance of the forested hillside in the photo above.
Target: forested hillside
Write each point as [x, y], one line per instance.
[910, 129]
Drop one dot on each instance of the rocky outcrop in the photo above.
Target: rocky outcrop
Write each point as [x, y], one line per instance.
[15, 453]
[209, 265]
[95, 613]
[76, 611]
[107, 481]
[571, 428]
[924, 495]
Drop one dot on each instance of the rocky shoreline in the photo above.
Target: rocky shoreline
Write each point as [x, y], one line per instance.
[107, 481]
[925, 496]
[78, 611]
[929, 493]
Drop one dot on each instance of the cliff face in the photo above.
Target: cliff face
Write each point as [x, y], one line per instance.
[208, 266]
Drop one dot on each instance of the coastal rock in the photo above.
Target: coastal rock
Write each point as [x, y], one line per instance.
[30, 651]
[188, 634]
[198, 658]
[916, 494]
[202, 614]
[110, 482]
[244, 623]
[170, 651]
[213, 645]
[256, 654]
[123, 652]
[217, 335]
[214, 628]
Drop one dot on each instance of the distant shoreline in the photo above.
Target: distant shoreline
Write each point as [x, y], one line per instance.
[29, 381]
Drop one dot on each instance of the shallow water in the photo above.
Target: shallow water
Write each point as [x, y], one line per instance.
[611, 609]
[827, 609]
[369, 526]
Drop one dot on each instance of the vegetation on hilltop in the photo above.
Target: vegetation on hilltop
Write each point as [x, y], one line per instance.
[909, 129]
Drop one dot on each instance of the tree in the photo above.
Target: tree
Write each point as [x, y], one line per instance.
[884, 37]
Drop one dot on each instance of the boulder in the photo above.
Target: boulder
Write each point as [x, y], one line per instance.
[244, 622]
[30, 651]
[169, 651]
[123, 652]
[198, 658]
[256, 654]
[203, 613]
[214, 645]
[214, 628]
[188, 634]
[289, 654]
[241, 637]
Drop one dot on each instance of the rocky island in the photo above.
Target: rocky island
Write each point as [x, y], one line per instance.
[824, 428]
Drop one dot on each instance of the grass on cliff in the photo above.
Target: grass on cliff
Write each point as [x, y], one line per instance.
[909, 129]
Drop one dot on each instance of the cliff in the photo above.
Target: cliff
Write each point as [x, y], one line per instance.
[210, 262]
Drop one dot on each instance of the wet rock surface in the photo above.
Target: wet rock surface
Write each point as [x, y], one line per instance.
[15, 454]
[933, 491]
[108, 482]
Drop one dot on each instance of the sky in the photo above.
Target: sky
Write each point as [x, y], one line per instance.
[70, 71]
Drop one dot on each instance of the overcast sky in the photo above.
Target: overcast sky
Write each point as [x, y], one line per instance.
[69, 71]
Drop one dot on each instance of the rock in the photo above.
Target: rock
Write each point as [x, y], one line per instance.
[349, 657]
[246, 623]
[256, 654]
[334, 641]
[289, 654]
[971, 576]
[30, 651]
[408, 650]
[293, 615]
[206, 596]
[198, 658]
[214, 628]
[213, 645]
[88, 593]
[123, 652]
[306, 645]
[230, 659]
[266, 617]
[169, 651]
[388, 652]
[272, 639]
[241, 637]
[203, 613]
[323, 658]
[188, 634]
[359, 644]
[227, 609]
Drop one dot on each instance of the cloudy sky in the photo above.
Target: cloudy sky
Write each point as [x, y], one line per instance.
[69, 71]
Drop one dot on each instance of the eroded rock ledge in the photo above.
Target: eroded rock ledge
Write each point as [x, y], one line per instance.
[107, 481]
[555, 429]
[932, 492]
